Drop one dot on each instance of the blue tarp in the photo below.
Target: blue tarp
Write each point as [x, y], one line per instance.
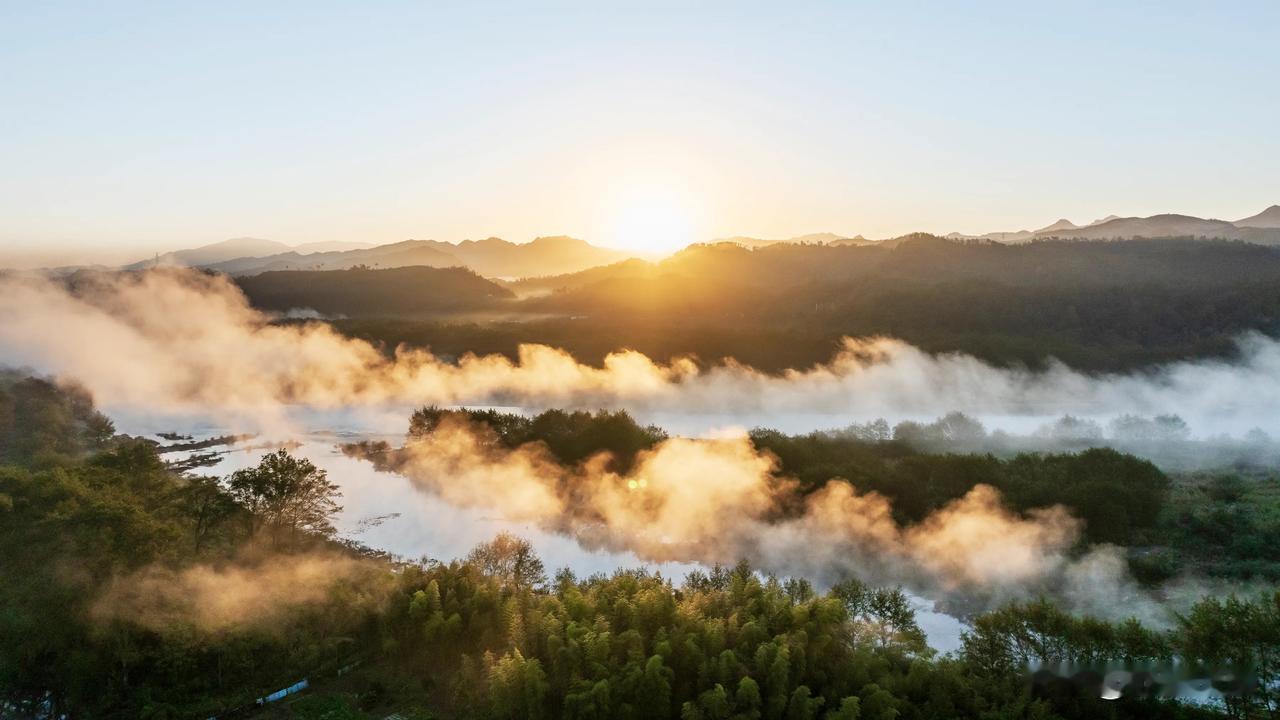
[281, 694]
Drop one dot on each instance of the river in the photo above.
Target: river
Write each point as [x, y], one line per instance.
[386, 511]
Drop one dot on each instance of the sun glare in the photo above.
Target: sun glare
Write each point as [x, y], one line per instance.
[651, 222]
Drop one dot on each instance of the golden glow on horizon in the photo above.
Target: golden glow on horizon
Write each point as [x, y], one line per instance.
[651, 221]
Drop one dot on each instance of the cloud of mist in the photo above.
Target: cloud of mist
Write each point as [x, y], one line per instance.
[720, 500]
[183, 341]
[243, 594]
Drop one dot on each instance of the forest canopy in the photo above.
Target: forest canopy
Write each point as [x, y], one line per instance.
[134, 590]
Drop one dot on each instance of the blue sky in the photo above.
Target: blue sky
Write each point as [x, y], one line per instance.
[130, 125]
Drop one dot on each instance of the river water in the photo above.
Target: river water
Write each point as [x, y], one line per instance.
[388, 512]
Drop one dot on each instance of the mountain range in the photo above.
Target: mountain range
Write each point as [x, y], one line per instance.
[491, 257]
[1170, 225]
[546, 257]
[1256, 229]
[1095, 305]
[824, 238]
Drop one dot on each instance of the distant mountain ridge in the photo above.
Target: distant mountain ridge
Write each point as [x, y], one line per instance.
[1269, 218]
[215, 253]
[734, 281]
[822, 238]
[491, 257]
[1062, 225]
[545, 257]
[1253, 229]
[1260, 228]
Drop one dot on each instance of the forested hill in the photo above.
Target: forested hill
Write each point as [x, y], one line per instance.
[1093, 305]
[933, 260]
[362, 291]
[1097, 305]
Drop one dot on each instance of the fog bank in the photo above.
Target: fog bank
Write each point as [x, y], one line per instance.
[179, 341]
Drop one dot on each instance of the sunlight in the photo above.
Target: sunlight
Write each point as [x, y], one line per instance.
[651, 221]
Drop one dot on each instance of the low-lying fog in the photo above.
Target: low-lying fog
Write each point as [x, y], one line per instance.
[386, 511]
[172, 350]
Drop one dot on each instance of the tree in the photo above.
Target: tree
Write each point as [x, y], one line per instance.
[284, 493]
[207, 504]
[511, 560]
[517, 688]
[877, 703]
[1237, 633]
[885, 615]
[747, 700]
[849, 710]
[655, 688]
[714, 703]
[802, 706]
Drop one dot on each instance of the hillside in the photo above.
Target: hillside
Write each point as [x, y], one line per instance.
[401, 254]
[917, 260]
[214, 253]
[492, 257]
[1169, 226]
[555, 255]
[1106, 305]
[633, 267]
[1269, 218]
[1112, 227]
[1094, 305]
[357, 292]
[820, 238]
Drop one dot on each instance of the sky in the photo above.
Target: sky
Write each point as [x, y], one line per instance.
[131, 127]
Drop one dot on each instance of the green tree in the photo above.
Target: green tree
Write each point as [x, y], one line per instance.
[517, 688]
[207, 504]
[849, 710]
[747, 701]
[289, 495]
[511, 560]
[876, 703]
[655, 689]
[801, 706]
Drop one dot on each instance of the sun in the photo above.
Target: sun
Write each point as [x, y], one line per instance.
[651, 222]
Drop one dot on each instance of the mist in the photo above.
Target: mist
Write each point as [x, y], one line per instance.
[721, 500]
[257, 593]
[184, 342]
[181, 342]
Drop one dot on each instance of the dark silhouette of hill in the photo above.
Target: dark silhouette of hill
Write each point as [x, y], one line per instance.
[1095, 305]
[362, 291]
[926, 260]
